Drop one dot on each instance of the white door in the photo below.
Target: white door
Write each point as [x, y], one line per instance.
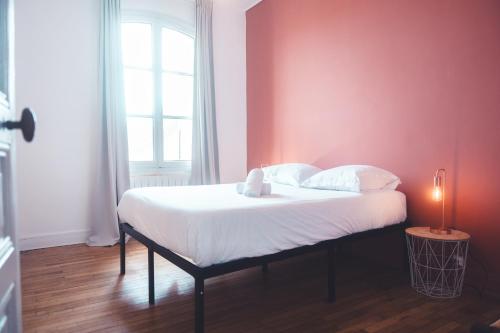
[10, 293]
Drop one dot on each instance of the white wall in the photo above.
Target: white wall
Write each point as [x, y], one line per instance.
[57, 75]
[229, 31]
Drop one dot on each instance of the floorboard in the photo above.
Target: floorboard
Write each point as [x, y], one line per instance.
[79, 289]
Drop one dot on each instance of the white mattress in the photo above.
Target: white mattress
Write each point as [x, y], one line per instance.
[213, 224]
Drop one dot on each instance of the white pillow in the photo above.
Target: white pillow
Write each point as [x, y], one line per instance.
[354, 178]
[289, 173]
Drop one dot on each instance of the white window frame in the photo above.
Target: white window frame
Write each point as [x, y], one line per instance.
[157, 22]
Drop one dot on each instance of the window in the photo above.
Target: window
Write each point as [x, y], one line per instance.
[158, 63]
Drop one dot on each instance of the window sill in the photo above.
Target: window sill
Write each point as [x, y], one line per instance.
[146, 169]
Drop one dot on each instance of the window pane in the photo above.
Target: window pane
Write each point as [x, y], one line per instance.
[177, 139]
[177, 95]
[140, 139]
[177, 51]
[138, 91]
[136, 44]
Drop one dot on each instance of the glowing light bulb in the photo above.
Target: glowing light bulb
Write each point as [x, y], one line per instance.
[437, 194]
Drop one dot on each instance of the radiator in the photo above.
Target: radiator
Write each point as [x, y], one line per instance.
[170, 179]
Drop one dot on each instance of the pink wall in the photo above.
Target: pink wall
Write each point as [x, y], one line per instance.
[410, 86]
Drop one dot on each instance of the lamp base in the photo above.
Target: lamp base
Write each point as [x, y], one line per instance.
[440, 231]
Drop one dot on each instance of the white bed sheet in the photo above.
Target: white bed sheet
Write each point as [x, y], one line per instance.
[213, 224]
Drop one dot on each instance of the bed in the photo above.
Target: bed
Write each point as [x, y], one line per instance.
[212, 230]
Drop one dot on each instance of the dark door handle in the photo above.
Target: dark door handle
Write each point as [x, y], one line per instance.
[26, 124]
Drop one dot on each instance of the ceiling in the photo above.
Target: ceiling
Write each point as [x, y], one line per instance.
[247, 4]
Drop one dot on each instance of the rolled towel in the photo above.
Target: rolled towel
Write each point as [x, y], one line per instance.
[253, 185]
[240, 187]
[266, 188]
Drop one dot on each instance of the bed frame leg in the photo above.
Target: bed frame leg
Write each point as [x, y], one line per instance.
[122, 251]
[151, 275]
[331, 274]
[199, 291]
[265, 268]
[406, 263]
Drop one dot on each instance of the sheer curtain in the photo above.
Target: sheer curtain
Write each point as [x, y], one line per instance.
[113, 170]
[205, 157]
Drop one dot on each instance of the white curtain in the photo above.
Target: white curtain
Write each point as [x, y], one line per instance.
[205, 157]
[113, 171]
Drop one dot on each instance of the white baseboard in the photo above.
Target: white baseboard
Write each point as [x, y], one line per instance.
[42, 241]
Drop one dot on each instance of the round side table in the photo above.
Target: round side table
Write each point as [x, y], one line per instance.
[437, 262]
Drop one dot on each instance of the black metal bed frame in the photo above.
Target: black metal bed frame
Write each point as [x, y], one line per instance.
[200, 274]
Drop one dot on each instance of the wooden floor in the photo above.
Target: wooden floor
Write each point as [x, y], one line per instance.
[78, 289]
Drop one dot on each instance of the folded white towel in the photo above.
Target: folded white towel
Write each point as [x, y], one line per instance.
[266, 188]
[253, 185]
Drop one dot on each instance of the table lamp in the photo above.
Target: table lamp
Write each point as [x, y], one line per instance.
[438, 195]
